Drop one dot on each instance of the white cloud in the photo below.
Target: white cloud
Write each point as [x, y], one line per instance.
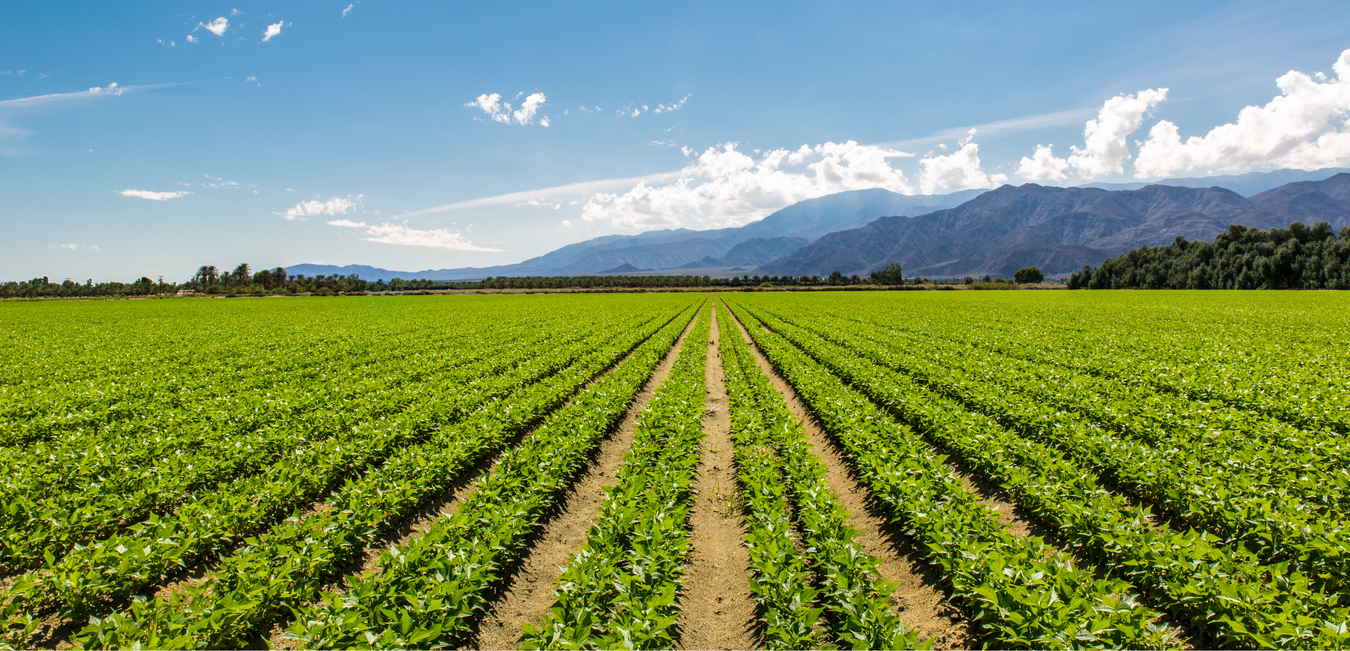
[347, 10]
[111, 90]
[335, 206]
[272, 30]
[499, 111]
[662, 108]
[403, 235]
[221, 184]
[566, 222]
[542, 203]
[959, 170]
[152, 195]
[70, 247]
[528, 109]
[216, 26]
[1305, 127]
[1105, 147]
[1043, 166]
[253, 79]
[191, 38]
[726, 187]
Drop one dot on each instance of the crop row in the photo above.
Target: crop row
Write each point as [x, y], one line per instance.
[38, 525]
[285, 568]
[429, 592]
[111, 570]
[183, 372]
[1168, 343]
[854, 601]
[619, 590]
[1224, 594]
[1236, 504]
[1020, 592]
[1309, 462]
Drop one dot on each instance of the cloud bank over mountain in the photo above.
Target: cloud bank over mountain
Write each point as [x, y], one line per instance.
[725, 187]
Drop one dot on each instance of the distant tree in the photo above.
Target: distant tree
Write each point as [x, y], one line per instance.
[835, 278]
[1027, 275]
[242, 273]
[212, 274]
[891, 275]
[969, 280]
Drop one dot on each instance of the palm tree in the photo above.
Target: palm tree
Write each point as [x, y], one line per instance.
[202, 272]
[242, 274]
[212, 274]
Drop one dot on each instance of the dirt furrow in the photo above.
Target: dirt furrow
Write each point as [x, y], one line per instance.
[716, 608]
[919, 598]
[530, 591]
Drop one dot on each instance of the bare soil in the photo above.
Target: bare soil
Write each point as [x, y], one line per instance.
[530, 591]
[716, 608]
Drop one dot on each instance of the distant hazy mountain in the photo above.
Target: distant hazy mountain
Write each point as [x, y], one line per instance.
[1059, 229]
[672, 249]
[1246, 185]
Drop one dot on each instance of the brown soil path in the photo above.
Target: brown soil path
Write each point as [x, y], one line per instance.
[530, 592]
[919, 599]
[716, 609]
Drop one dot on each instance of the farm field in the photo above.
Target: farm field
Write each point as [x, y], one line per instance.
[740, 470]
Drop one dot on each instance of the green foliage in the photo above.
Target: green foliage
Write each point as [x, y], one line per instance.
[1028, 275]
[893, 274]
[619, 590]
[1298, 257]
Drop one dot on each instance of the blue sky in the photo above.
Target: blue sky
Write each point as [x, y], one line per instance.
[369, 133]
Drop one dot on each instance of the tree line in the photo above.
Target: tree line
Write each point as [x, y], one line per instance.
[242, 280]
[1298, 257]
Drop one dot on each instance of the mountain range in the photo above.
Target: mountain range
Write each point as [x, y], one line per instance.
[778, 234]
[974, 232]
[1058, 229]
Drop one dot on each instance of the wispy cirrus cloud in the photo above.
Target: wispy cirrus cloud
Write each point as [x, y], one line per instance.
[153, 195]
[111, 90]
[404, 235]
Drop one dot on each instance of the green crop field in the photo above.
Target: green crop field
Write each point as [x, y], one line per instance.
[1021, 469]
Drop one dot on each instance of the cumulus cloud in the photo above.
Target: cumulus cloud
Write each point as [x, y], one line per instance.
[527, 110]
[1105, 147]
[216, 26]
[191, 38]
[403, 235]
[498, 111]
[1043, 166]
[1305, 127]
[335, 206]
[152, 195]
[726, 187]
[272, 30]
[959, 170]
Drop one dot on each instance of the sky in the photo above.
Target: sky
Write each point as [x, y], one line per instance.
[152, 138]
